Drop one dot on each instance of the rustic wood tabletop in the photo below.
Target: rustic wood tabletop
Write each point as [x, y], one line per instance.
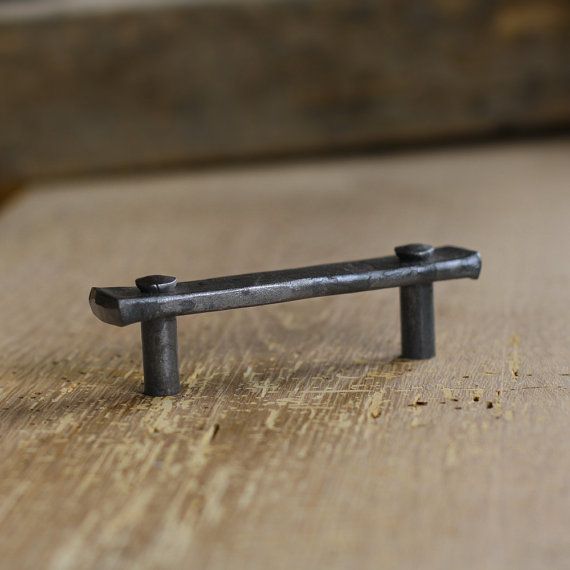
[300, 439]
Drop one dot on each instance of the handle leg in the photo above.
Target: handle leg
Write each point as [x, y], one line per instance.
[417, 321]
[160, 357]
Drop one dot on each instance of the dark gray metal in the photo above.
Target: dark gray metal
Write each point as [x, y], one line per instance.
[417, 320]
[160, 357]
[159, 342]
[161, 299]
[156, 284]
[414, 251]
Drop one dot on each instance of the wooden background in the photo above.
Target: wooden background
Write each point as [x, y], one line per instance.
[87, 86]
[299, 440]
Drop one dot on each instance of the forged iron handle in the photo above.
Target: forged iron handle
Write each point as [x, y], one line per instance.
[158, 300]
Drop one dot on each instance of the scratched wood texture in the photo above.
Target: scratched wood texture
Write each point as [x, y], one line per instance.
[300, 440]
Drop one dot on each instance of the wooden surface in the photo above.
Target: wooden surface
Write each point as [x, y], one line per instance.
[89, 85]
[300, 440]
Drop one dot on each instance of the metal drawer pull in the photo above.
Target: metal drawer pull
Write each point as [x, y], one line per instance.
[157, 300]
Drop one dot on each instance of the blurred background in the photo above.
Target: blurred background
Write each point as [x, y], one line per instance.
[94, 86]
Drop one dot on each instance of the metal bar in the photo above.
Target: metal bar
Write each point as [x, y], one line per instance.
[122, 306]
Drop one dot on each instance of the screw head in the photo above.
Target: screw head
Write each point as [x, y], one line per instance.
[156, 284]
[414, 251]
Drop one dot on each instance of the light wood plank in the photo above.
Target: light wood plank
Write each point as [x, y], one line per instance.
[300, 440]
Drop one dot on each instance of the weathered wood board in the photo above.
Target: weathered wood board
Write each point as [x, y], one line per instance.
[88, 85]
[300, 440]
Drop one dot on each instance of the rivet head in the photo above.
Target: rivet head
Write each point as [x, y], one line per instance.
[414, 252]
[156, 284]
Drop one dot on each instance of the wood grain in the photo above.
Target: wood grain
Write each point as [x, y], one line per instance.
[89, 86]
[300, 440]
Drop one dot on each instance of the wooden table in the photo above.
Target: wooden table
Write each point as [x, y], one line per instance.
[300, 439]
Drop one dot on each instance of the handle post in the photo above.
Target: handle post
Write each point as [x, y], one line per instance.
[160, 357]
[159, 342]
[417, 322]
